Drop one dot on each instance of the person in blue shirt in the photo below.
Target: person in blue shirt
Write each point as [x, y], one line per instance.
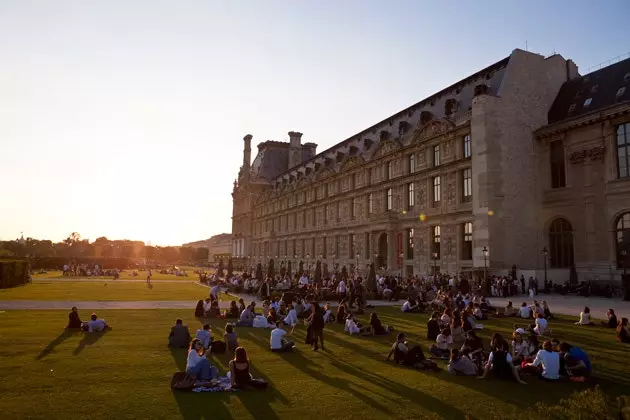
[576, 361]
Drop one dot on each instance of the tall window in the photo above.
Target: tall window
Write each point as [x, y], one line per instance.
[412, 163]
[338, 203]
[411, 195]
[560, 244]
[437, 191]
[325, 214]
[390, 170]
[467, 185]
[467, 243]
[370, 203]
[556, 163]
[304, 219]
[622, 236]
[467, 147]
[352, 209]
[436, 155]
[410, 243]
[351, 246]
[390, 199]
[367, 246]
[324, 248]
[435, 242]
[623, 150]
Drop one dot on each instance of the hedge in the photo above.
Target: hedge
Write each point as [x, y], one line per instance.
[13, 273]
[57, 263]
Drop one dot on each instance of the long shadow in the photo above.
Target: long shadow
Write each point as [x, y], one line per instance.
[89, 338]
[65, 334]
[413, 395]
[297, 359]
[179, 357]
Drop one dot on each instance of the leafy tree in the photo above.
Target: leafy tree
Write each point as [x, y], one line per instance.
[318, 272]
[271, 269]
[220, 269]
[230, 267]
[259, 271]
[202, 254]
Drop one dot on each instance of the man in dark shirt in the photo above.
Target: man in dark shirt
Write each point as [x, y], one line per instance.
[179, 336]
[73, 318]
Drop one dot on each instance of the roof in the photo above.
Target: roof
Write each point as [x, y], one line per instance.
[594, 91]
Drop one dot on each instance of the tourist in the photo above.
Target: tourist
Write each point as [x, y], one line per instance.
[433, 327]
[404, 355]
[612, 319]
[341, 290]
[233, 311]
[247, 317]
[524, 311]
[546, 310]
[241, 306]
[457, 332]
[316, 324]
[510, 310]
[230, 337]
[205, 335]
[585, 317]
[376, 327]
[473, 346]
[240, 374]
[550, 362]
[622, 331]
[179, 336]
[409, 306]
[541, 325]
[328, 316]
[342, 311]
[197, 365]
[461, 365]
[352, 326]
[149, 274]
[445, 319]
[500, 364]
[444, 342]
[214, 292]
[74, 322]
[277, 342]
[576, 362]
[520, 348]
[199, 310]
[291, 319]
[96, 325]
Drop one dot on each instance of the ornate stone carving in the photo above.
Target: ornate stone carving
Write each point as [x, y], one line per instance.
[386, 148]
[594, 153]
[434, 128]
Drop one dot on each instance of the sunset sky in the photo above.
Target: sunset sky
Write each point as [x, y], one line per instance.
[125, 119]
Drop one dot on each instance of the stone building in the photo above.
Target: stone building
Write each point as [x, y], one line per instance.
[428, 188]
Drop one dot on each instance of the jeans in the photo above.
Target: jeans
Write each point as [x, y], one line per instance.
[203, 371]
[286, 346]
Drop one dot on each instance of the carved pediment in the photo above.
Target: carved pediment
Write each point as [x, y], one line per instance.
[325, 173]
[434, 128]
[350, 162]
[385, 147]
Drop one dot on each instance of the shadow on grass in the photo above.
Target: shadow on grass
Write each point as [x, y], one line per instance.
[89, 338]
[298, 360]
[65, 334]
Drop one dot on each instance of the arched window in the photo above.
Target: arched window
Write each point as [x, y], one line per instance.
[622, 237]
[560, 244]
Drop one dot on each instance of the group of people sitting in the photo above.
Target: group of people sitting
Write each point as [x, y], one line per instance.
[95, 324]
[620, 326]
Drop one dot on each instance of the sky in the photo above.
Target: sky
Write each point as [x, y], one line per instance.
[125, 118]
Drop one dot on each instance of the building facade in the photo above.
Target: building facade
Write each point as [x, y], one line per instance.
[427, 189]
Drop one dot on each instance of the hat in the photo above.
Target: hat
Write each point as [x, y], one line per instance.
[521, 331]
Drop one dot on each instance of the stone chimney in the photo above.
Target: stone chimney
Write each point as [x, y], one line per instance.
[295, 148]
[311, 148]
[247, 154]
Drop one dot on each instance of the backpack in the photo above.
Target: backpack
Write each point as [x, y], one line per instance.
[218, 347]
[183, 382]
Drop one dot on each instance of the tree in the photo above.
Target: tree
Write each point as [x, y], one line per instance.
[202, 255]
[371, 280]
[230, 268]
[318, 273]
[220, 269]
[186, 254]
[259, 271]
[271, 269]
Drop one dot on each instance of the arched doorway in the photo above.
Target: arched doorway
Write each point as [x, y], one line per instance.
[381, 260]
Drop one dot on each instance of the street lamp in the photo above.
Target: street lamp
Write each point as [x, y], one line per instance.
[485, 264]
[435, 257]
[545, 254]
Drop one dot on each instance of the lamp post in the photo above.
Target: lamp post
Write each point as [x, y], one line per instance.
[545, 252]
[485, 265]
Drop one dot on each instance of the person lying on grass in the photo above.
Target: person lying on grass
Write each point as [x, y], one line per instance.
[197, 365]
[240, 374]
[500, 363]
[97, 325]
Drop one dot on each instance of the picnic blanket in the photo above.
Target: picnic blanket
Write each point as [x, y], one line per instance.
[222, 386]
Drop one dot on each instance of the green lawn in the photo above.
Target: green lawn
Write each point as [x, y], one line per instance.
[126, 373]
[107, 290]
[125, 275]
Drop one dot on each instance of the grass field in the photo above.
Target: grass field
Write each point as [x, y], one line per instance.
[126, 275]
[107, 290]
[125, 373]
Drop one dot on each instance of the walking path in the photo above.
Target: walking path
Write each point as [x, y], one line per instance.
[571, 305]
[109, 279]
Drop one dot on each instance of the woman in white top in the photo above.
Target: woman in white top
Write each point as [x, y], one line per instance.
[585, 317]
[520, 348]
[197, 364]
[351, 326]
[291, 319]
[524, 311]
[541, 325]
[443, 344]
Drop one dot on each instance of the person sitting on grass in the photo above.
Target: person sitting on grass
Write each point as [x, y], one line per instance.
[457, 332]
[500, 364]
[277, 342]
[403, 354]
[291, 319]
[622, 331]
[207, 305]
[410, 306]
[342, 311]
[97, 325]
[241, 306]
[461, 365]
[328, 315]
[232, 312]
[353, 327]
[205, 335]
[550, 362]
[478, 313]
[433, 327]
[473, 347]
[179, 336]
[240, 374]
[197, 365]
[612, 319]
[247, 317]
[546, 310]
[199, 310]
[376, 327]
[74, 322]
[230, 337]
[445, 319]
[541, 325]
[520, 348]
[585, 317]
[444, 342]
[576, 362]
[525, 312]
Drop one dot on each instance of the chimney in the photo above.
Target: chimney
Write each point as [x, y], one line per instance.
[247, 153]
[311, 148]
[295, 148]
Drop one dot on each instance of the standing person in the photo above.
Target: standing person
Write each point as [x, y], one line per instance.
[522, 284]
[341, 290]
[265, 290]
[214, 292]
[149, 276]
[316, 320]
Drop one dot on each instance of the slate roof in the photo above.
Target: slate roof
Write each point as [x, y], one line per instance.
[603, 88]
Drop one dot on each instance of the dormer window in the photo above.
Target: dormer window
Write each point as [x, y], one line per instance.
[425, 117]
[626, 77]
[481, 90]
[594, 88]
[621, 91]
[450, 107]
[587, 102]
[571, 108]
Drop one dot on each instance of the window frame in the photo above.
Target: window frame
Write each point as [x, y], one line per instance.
[436, 155]
[623, 131]
[411, 195]
[467, 240]
[467, 146]
[467, 185]
[389, 199]
[436, 190]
